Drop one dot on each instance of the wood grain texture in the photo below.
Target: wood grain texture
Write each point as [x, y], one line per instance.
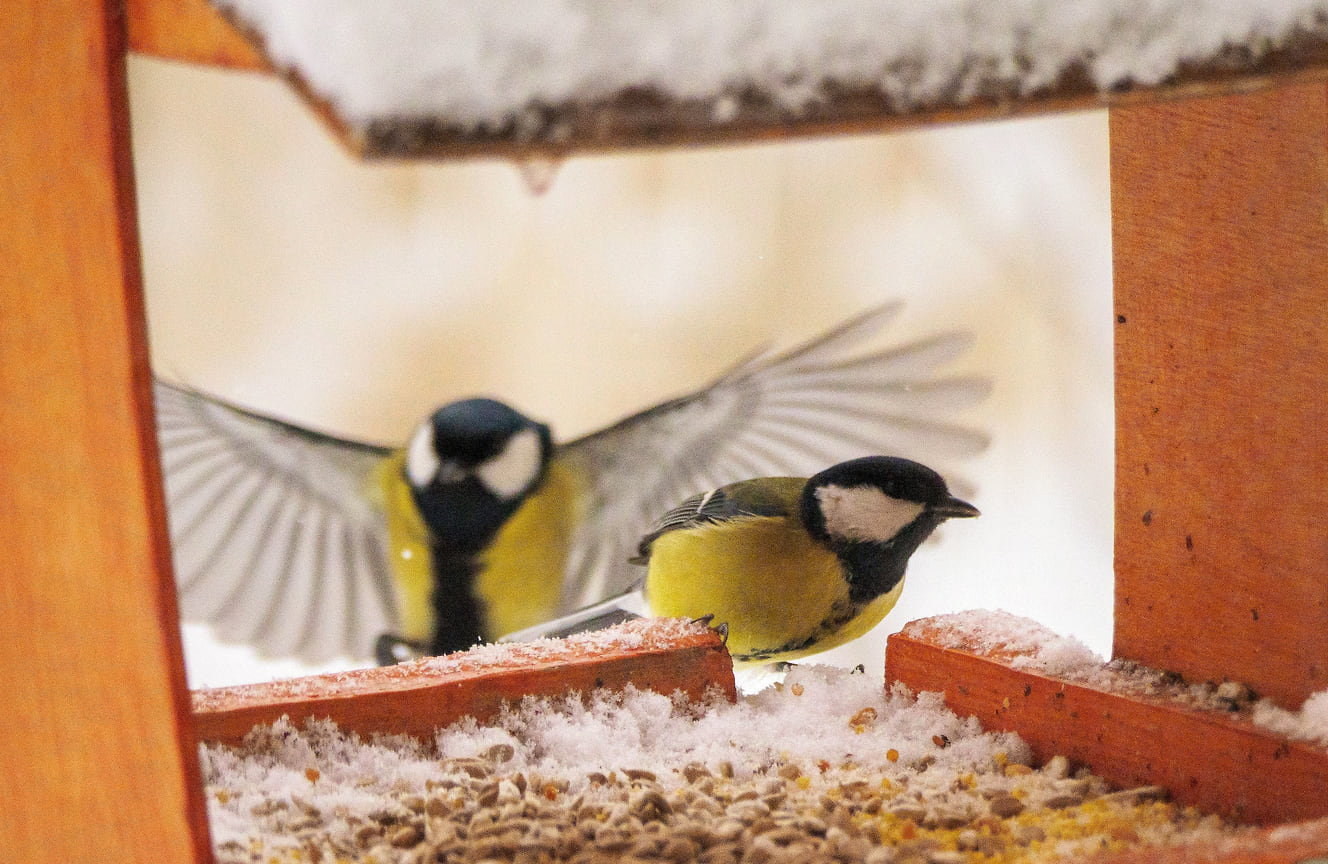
[1220, 250]
[95, 698]
[1210, 759]
[416, 698]
[191, 31]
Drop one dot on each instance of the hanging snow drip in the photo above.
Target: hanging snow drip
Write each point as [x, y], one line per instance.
[537, 172]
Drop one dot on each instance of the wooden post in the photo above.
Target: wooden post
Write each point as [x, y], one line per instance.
[97, 756]
[1220, 238]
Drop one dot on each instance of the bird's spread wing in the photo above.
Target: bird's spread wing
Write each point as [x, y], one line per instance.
[788, 414]
[274, 539]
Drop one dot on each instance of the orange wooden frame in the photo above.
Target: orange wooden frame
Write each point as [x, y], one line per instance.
[1220, 358]
[97, 707]
[1221, 271]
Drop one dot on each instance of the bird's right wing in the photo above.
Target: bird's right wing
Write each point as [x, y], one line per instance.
[274, 538]
[790, 414]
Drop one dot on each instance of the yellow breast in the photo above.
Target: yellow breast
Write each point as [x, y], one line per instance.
[521, 575]
[782, 595]
[762, 576]
[408, 549]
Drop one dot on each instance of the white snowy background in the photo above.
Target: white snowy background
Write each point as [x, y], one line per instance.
[354, 298]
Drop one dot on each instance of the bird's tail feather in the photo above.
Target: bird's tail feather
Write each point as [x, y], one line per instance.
[615, 610]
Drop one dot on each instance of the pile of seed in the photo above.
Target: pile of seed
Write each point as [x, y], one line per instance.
[476, 812]
[897, 780]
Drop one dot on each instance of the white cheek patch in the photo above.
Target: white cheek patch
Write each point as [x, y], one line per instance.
[864, 513]
[421, 458]
[512, 471]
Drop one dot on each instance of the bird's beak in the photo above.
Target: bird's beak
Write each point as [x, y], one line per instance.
[953, 508]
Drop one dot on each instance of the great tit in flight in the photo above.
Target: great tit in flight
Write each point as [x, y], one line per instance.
[306, 544]
[788, 566]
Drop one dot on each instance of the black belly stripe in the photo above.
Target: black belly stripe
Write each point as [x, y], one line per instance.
[457, 614]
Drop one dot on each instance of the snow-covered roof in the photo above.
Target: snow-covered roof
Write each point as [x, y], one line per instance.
[557, 72]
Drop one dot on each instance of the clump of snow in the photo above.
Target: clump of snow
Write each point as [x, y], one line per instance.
[486, 64]
[1310, 723]
[647, 730]
[639, 634]
[1311, 831]
[1033, 647]
[644, 634]
[1027, 645]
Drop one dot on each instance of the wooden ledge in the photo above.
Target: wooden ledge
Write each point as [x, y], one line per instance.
[1212, 759]
[663, 655]
[647, 120]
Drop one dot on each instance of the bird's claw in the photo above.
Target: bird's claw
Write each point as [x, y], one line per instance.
[722, 628]
[390, 649]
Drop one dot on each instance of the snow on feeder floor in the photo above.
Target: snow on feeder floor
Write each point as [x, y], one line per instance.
[827, 766]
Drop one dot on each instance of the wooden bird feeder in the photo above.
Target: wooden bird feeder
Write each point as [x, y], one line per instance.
[1219, 200]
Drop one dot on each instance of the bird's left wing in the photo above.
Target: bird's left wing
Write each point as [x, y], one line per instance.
[274, 538]
[709, 508]
[790, 414]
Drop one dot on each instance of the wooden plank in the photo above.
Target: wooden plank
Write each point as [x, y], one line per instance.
[1297, 843]
[96, 712]
[415, 698]
[1214, 760]
[1221, 281]
[644, 121]
[191, 31]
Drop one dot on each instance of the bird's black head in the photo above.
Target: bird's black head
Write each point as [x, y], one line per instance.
[470, 465]
[874, 512]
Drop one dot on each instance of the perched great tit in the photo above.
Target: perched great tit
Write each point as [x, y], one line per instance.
[308, 544]
[790, 566]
